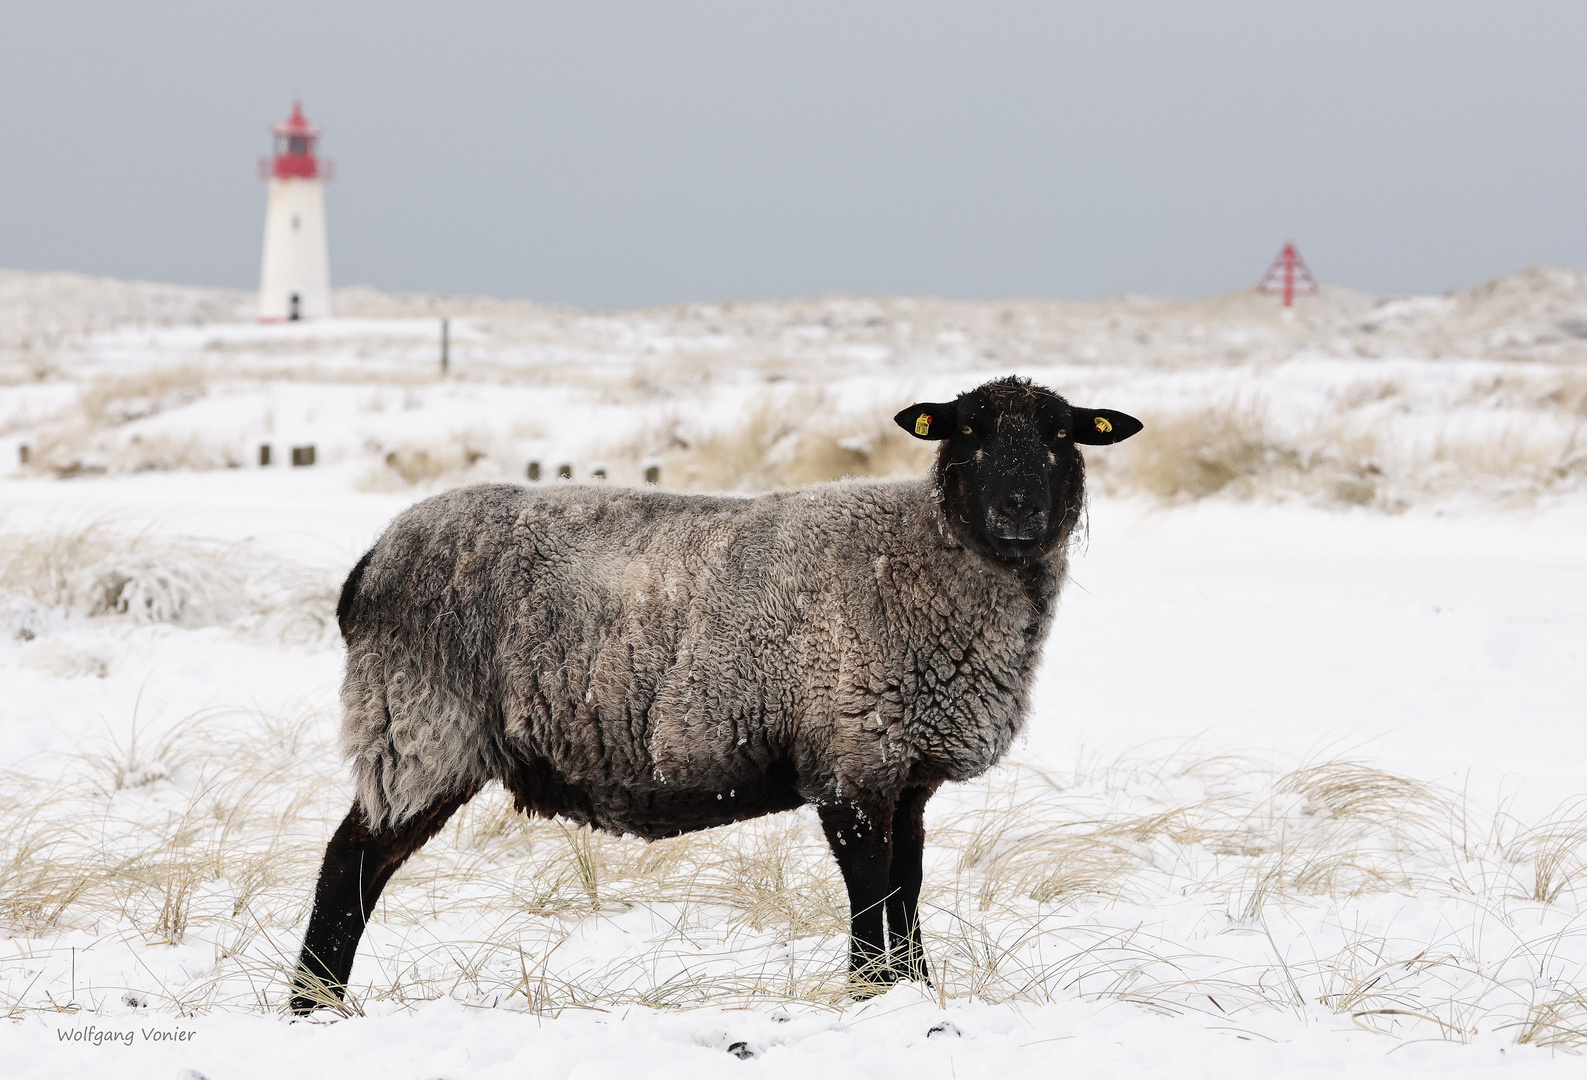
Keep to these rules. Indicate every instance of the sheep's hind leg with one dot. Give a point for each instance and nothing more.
(358, 863)
(861, 848)
(904, 876)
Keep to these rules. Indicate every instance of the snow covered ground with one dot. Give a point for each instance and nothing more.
(1300, 788)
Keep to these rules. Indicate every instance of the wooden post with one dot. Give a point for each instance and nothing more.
(533, 472)
(303, 455)
(23, 454)
(565, 471)
(653, 473)
(446, 345)
(264, 455)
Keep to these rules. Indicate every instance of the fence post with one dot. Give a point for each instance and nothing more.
(446, 345)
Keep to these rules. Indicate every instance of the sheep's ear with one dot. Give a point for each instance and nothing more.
(1098, 427)
(929, 420)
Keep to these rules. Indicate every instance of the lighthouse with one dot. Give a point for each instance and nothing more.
(295, 280)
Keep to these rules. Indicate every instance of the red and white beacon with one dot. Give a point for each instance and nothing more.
(295, 280)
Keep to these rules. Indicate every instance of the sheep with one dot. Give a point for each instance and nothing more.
(651, 664)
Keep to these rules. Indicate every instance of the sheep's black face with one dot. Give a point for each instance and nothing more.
(1010, 471)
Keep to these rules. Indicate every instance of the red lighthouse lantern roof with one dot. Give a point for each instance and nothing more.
(297, 124)
(294, 150)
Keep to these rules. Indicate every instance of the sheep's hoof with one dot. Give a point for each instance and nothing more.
(865, 983)
(310, 992)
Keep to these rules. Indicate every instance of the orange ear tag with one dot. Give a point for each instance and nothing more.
(922, 423)
(1103, 427)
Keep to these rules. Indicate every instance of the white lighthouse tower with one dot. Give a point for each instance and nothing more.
(295, 280)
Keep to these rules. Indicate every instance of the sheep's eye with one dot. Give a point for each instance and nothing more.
(967, 430)
(1062, 432)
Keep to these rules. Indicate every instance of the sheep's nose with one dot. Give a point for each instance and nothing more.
(1024, 514)
(1017, 518)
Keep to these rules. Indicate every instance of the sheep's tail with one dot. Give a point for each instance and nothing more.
(344, 603)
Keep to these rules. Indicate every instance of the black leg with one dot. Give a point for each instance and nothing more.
(903, 877)
(860, 842)
(358, 863)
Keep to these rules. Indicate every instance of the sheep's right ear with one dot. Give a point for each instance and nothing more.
(929, 420)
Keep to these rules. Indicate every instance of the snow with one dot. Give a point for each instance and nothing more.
(891, 1036)
(1170, 879)
(1451, 647)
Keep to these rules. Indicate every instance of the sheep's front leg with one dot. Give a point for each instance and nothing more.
(860, 842)
(358, 863)
(904, 876)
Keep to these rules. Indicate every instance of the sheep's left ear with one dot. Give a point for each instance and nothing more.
(1098, 427)
(929, 420)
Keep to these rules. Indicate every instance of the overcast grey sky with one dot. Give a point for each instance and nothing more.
(615, 154)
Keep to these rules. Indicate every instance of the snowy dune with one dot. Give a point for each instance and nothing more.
(1298, 790)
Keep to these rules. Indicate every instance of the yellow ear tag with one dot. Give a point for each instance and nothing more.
(922, 423)
(1103, 427)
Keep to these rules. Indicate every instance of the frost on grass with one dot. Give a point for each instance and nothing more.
(100, 570)
(181, 872)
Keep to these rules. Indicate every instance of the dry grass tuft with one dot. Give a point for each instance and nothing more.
(415, 464)
(1338, 458)
(73, 449)
(1557, 851)
(1202, 453)
(112, 400)
(781, 441)
(1558, 1022)
(1343, 789)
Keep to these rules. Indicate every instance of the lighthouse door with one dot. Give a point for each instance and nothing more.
(296, 312)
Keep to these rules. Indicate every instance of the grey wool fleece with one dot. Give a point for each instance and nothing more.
(652, 658)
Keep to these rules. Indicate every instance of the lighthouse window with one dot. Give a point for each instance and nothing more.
(298, 144)
(294, 223)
